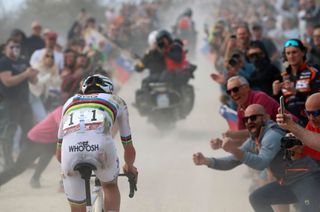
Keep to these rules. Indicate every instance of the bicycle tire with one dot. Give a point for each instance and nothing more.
(97, 200)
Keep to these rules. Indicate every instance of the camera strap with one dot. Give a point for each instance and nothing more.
(258, 140)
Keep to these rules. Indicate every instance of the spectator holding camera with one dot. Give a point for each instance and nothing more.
(311, 142)
(297, 181)
(298, 80)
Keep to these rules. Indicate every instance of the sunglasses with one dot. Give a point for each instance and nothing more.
(255, 55)
(234, 90)
(252, 118)
(15, 47)
(314, 113)
(291, 43)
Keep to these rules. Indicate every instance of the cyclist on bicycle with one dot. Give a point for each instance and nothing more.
(85, 136)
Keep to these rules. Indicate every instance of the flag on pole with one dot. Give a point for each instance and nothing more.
(124, 67)
(230, 116)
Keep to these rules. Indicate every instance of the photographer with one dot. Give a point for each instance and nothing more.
(309, 135)
(298, 181)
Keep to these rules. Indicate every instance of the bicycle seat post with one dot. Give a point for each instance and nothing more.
(85, 170)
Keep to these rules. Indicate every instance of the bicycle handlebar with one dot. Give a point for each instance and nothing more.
(132, 182)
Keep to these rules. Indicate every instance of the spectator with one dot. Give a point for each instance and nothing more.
(75, 31)
(314, 54)
(312, 106)
(265, 72)
(50, 44)
(243, 36)
(21, 38)
(15, 73)
(257, 34)
(263, 150)
(312, 15)
(46, 91)
(35, 41)
(42, 143)
(77, 45)
(298, 80)
(239, 90)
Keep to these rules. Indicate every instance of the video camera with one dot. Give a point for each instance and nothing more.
(288, 142)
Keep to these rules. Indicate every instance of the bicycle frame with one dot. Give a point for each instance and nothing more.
(97, 198)
(85, 170)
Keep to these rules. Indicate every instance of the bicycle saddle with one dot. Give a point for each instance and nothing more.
(85, 169)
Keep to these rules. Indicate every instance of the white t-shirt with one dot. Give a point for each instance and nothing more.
(38, 55)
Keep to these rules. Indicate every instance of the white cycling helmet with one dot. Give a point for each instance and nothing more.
(97, 81)
(152, 38)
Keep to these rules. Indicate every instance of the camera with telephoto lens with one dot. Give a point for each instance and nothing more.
(288, 142)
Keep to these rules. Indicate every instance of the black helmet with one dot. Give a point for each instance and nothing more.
(161, 35)
(188, 12)
(98, 83)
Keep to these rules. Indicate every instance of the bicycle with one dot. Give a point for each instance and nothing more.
(95, 204)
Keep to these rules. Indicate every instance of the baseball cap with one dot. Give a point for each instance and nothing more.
(51, 35)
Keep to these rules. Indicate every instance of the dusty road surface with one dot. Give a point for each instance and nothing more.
(168, 180)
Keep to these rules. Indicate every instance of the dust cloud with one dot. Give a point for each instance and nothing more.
(168, 179)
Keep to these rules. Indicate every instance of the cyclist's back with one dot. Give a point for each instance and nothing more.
(86, 136)
(86, 129)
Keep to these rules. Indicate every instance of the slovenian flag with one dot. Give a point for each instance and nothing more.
(230, 116)
(124, 67)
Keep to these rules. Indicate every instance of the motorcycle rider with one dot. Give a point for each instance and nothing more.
(152, 60)
(178, 69)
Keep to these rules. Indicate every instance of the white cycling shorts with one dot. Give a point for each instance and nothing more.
(100, 152)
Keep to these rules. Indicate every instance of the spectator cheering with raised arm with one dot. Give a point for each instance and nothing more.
(239, 90)
(298, 181)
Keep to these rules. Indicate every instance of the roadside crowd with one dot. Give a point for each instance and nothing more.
(282, 148)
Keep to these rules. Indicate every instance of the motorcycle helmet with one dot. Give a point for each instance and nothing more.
(152, 38)
(97, 83)
(188, 12)
(161, 35)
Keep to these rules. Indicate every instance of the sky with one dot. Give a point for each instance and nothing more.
(10, 5)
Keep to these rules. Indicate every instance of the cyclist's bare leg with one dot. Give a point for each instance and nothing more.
(78, 208)
(111, 196)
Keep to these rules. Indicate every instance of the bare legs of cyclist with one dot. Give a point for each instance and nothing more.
(111, 197)
(78, 208)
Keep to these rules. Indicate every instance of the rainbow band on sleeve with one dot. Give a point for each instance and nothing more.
(98, 103)
(126, 140)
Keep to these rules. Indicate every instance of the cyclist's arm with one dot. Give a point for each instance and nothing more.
(125, 135)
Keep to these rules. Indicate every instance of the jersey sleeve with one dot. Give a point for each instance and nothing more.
(60, 131)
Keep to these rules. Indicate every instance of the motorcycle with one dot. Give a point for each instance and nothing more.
(164, 102)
